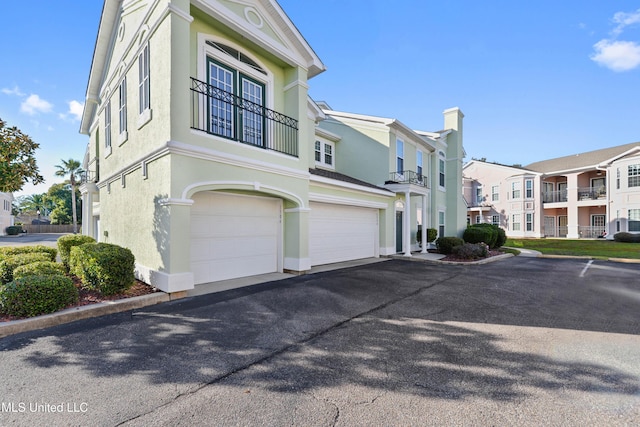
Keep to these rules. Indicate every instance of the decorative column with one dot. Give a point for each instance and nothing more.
(407, 224)
(424, 224)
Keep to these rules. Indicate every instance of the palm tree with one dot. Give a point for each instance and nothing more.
(72, 168)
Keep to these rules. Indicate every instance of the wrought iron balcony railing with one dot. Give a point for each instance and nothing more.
(408, 177)
(227, 115)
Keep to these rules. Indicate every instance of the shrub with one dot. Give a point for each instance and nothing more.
(432, 233)
(40, 268)
(65, 243)
(13, 230)
(625, 237)
(445, 245)
(18, 250)
(502, 237)
(471, 250)
(10, 263)
(104, 267)
(477, 233)
(35, 295)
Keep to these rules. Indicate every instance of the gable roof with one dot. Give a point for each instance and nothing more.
(297, 51)
(581, 160)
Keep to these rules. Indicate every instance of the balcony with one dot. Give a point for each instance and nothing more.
(592, 193)
(92, 173)
(408, 177)
(224, 114)
(554, 196)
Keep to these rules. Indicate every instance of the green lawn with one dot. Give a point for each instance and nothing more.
(595, 248)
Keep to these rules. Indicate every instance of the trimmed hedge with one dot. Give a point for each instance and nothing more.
(471, 250)
(104, 267)
(18, 250)
(13, 230)
(65, 243)
(490, 234)
(625, 237)
(35, 295)
(445, 245)
(10, 263)
(40, 268)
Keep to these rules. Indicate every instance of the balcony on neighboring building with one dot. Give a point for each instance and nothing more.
(554, 196)
(592, 193)
(224, 114)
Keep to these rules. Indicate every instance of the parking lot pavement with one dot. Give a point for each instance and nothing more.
(26, 239)
(520, 342)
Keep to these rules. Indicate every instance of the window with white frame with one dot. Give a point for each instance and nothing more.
(122, 107)
(478, 219)
(441, 217)
(618, 179)
(528, 221)
(528, 188)
(515, 222)
(144, 82)
(515, 190)
(419, 164)
(634, 176)
(495, 219)
(107, 126)
(479, 198)
(399, 156)
(495, 193)
(441, 169)
(324, 153)
(634, 219)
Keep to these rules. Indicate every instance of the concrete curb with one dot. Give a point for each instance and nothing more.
(84, 312)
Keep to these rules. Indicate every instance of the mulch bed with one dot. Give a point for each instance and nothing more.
(455, 258)
(88, 297)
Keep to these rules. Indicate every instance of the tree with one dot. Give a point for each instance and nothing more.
(17, 161)
(72, 168)
(59, 201)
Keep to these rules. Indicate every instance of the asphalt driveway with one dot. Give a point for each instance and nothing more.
(523, 341)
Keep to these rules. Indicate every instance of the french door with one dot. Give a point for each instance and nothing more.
(236, 107)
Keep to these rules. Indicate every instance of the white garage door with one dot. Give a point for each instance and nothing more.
(233, 236)
(342, 233)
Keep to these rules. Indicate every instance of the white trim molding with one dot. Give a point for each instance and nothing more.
(337, 200)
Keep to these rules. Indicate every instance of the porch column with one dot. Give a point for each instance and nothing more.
(572, 207)
(424, 224)
(407, 224)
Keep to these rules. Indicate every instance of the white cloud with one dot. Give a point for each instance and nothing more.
(624, 20)
(14, 91)
(34, 104)
(75, 109)
(617, 55)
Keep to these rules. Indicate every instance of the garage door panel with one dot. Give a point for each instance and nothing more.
(233, 236)
(342, 233)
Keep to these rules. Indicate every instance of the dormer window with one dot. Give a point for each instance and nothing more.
(324, 153)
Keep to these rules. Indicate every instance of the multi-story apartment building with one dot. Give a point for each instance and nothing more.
(587, 195)
(209, 160)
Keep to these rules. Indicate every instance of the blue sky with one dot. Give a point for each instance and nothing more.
(535, 80)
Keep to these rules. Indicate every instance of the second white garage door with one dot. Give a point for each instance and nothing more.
(234, 236)
(342, 233)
